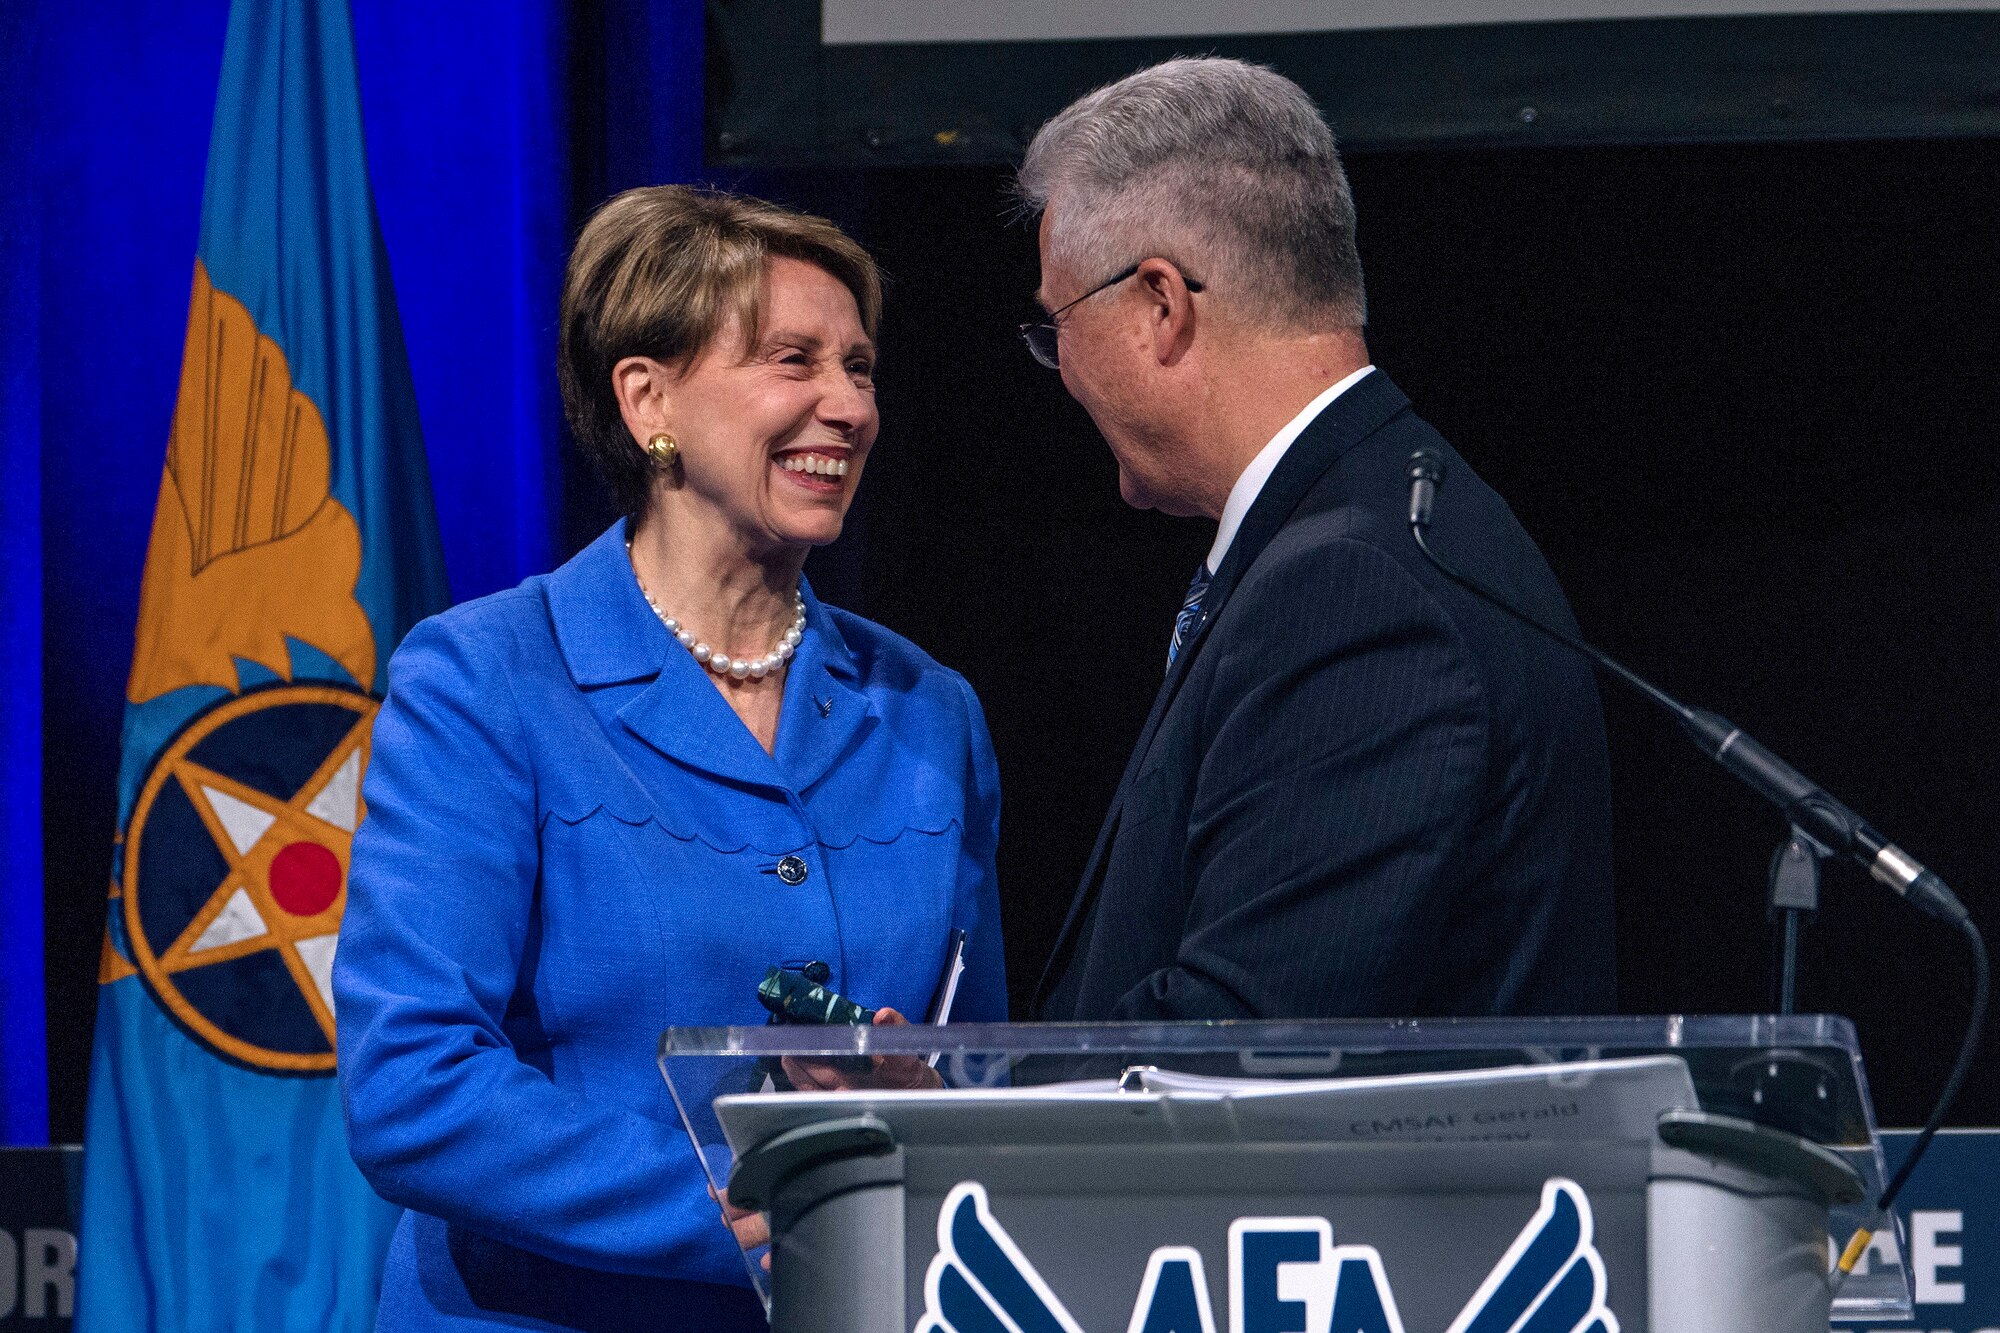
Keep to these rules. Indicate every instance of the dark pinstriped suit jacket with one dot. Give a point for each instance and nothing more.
(1362, 791)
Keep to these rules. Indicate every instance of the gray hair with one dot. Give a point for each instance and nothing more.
(1219, 165)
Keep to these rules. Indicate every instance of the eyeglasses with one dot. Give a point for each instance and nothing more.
(1040, 336)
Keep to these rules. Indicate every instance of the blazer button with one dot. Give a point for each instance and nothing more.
(793, 870)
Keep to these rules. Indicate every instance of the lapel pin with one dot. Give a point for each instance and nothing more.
(825, 705)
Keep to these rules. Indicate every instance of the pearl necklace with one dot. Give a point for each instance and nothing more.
(737, 668)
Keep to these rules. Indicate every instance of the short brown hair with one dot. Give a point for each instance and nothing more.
(657, 272)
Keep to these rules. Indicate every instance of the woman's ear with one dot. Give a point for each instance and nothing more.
(640, 384)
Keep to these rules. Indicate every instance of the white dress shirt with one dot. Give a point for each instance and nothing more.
(1251, 483)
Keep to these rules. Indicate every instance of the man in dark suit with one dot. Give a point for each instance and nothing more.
(1362, 791)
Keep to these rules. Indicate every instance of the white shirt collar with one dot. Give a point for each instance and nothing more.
(1251, 483)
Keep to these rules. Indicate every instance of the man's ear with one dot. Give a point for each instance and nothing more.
(642, 387)
(1169, 308)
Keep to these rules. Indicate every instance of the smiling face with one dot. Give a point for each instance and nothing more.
(773, 436)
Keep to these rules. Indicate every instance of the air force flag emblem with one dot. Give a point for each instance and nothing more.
(1285, 1273)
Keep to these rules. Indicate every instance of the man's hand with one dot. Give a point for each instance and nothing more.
(906, 1073)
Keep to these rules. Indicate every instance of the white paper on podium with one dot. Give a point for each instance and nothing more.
(1602, 1101)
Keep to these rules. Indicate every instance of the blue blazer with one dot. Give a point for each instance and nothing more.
(571, 844)
(1363, 791)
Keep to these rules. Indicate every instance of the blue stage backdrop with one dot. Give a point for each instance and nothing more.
(481, 170)
(23, 1072)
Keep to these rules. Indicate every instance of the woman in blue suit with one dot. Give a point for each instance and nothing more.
(607, 801)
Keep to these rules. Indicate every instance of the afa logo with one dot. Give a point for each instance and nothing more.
(235, 871)
(1285, 1273)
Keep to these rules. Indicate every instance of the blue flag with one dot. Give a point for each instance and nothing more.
(293, 545)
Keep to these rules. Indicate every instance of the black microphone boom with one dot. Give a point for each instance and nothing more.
(1818, 814)
(1807, 806)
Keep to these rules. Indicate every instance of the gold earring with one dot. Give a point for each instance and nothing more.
(663, 450)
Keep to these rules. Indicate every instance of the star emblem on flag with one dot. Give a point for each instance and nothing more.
(236, 871)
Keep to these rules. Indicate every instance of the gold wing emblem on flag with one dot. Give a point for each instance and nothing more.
(249, 546)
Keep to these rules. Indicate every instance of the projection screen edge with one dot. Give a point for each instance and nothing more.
(899, 22)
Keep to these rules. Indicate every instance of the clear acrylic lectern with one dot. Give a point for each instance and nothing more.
(1677, 1175)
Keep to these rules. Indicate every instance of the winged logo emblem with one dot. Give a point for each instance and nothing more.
(1550, 1280)
(980, 1282)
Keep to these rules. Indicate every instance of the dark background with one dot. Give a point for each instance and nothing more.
(1742, 394)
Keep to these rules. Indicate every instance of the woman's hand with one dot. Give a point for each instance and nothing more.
(906, 1073)
(835, 1074)
(751, 1227)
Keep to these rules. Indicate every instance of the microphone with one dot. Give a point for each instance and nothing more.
(1811, 811)
(1426, 475)
(1805, 804)
(1803, 801)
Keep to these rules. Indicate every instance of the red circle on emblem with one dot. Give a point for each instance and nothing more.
(305, 878)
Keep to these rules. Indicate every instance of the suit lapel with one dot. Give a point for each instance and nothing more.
(1368, 405)
(609, 635)
(1356, 414)
(825, 713)
(683, 717)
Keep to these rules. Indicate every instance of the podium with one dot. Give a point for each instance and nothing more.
(1571, 1175)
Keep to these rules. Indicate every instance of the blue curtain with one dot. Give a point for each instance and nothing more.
(23, 1076)
(490, 129)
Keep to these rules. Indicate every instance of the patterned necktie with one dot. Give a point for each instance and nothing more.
(1189, 622)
